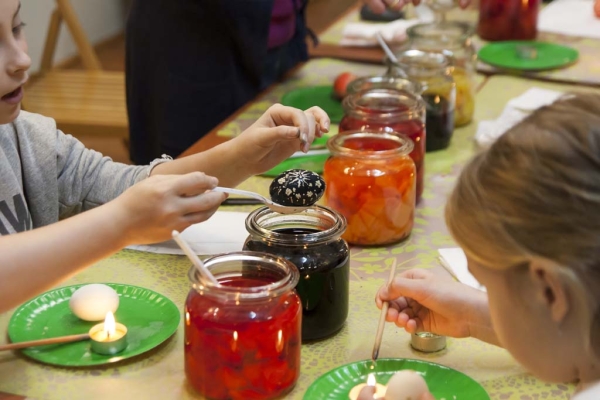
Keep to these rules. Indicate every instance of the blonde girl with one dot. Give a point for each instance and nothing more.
(527, 214)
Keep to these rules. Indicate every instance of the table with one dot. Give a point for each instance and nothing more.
(159, 373)
(585, 71)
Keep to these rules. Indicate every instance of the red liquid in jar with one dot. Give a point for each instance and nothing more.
(245, 351)
(414, 129)
(508, 19)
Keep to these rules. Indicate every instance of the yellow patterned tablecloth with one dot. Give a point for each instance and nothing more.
(585, 71)
(159, 374)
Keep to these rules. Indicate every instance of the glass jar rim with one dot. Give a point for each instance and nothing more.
(288, 281)
(335, 144)
(384, 82)
(413, 103)
(426, 59)
(260, 220)
(444, 32)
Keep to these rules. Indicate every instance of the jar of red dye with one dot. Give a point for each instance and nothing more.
(243, 338)
(389, 111)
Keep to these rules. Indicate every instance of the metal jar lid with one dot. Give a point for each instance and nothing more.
(427, 342)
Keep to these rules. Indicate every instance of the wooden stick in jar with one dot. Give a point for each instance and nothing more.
(45, 342)
(384, 310)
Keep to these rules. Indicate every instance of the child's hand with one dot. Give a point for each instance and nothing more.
(149, 211)
(423, 301)
(379, 6)
(279, 133)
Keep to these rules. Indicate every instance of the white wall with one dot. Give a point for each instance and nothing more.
(101, 19)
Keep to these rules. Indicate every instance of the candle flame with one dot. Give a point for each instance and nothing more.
(110, 327)
(371, 381)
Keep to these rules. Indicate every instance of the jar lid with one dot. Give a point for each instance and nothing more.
(323, 224)
(383, 82)
(386, 105)
(427, 342)
(370, 145)
(419, 63)
(279, 275)
(445, 33)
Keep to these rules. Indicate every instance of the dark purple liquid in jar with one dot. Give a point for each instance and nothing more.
(324, 283)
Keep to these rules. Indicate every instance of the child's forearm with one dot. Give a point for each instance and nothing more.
(224, 162)
(34, 261)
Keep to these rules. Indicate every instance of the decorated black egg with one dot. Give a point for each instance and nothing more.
(297, 187)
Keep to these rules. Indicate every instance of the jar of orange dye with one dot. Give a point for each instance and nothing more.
(371, 180)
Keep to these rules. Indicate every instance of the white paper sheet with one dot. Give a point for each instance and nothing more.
(515, 110)
(222, 233)
(455, 261)
(570, 17)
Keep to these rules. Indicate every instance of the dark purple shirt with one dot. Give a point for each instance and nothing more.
(283, 22)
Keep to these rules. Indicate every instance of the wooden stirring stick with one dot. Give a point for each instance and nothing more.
(45, 342)
(384, 310)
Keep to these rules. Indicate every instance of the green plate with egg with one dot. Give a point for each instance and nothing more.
(443, 382)
(150, 318)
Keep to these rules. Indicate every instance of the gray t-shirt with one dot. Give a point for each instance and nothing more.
(47, 175)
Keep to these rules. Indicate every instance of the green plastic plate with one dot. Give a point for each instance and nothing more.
(443, 382)
(311, 96)
(150, 318)
(527, 55)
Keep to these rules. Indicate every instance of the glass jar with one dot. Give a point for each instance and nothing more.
(433, 72)
(508, 19)
(389, 111)
(242, 339)
(312, 241)
(453, 39)
(371, 180)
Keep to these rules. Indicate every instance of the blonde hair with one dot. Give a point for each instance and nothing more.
(535, 193)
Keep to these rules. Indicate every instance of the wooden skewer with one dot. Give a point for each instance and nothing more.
(44, 342)
(384, 310)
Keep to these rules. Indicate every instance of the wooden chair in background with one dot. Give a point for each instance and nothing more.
(83, 102)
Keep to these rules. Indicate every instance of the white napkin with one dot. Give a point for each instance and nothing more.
(455, 262)
(514, 111)
(222, 233)
(364, 33)
(570, 17)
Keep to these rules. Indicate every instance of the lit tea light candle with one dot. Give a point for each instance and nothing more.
(109, 337)
(371, 381)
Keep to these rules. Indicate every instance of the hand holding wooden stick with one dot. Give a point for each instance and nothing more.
(384, 310)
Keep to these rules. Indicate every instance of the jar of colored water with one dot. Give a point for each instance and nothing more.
(312, 241)
(454, 40)
(433, 71)
(371, 180)
(389, 111)
(508, 19)
(242, 339)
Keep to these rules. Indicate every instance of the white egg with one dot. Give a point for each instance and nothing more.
(406, 385)
(92, 302)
